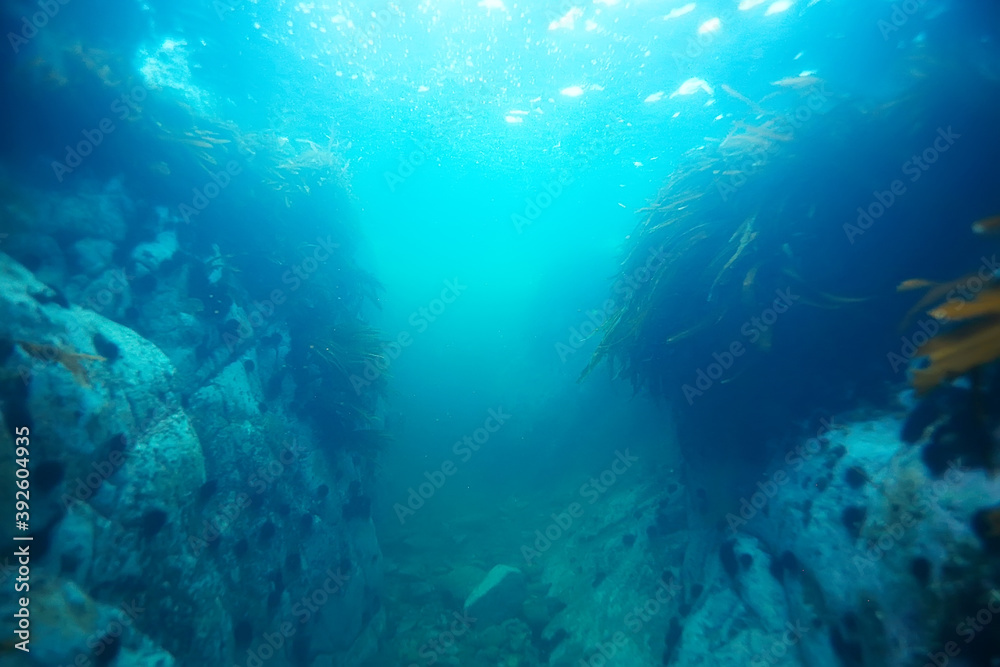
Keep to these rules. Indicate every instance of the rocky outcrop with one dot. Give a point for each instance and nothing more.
(201, 466)
(848, 551)
(172, 529)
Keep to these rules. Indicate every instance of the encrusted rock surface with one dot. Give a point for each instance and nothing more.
(848, 551)
(168, 529)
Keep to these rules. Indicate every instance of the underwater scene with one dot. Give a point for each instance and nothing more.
(500, 333)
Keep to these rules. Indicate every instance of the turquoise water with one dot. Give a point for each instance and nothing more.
(502, 333)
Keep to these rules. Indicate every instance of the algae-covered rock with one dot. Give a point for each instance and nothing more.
(209, 512)
(114, 462)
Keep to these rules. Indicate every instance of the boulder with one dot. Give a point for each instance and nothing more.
(93, 255)
(460, 581)
(149, 256)
(498, 596)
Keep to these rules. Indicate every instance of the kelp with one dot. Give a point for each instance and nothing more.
(757, 208)
(985, 303)
(350, 348)
(956, 353)
(936, 292)
(971, 335)
(723, 232)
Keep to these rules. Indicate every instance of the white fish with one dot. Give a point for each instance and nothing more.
(778, 7)
(655, 97)
(711, 25)
(692, 86)
(492, 4)
(568, 20)
(572, 91)
(681, 11)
